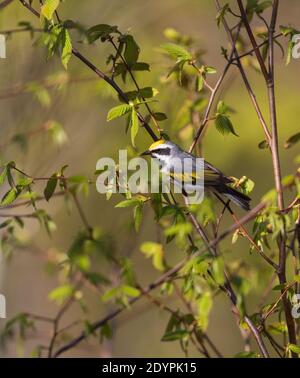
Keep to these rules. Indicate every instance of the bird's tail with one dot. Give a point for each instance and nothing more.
(235, 196)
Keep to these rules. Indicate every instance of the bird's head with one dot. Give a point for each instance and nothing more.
(161, 150)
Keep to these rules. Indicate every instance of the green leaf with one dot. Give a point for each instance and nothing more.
(175, 335)
(100, 31)
(224, 125)
(246, 184)
(288, 180)
(178, 69)
(134, 125)
(132, 50)
(130, 291)
(172, 34)
(66, 52)
(180, 230)
(118, 111)
(50, 187)
(137, 216)
(222, 108)
(24, 181)
(61, 293)
(97, 278)
(221, 13)
(287, 30)
(263, 145)
(40, 92)
(204, 307)
(247, 355)
(218, 270)
(261, 7)
(57, 132)
(199, 83)
(110, 294)
(147, 92)
(129, 202)
(3, 176)
(176, 51)
(154, 250)
(277, 328)
(209, 70)
(49, 8)
(292, 140)
(294, 348)
(160, 116)
(10, 197)
(106, 332)
(235, 236)
(140, 66)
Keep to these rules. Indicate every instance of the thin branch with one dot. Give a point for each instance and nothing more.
(253, 41)
(5, 3)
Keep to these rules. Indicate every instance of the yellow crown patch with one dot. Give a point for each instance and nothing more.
(155, 144)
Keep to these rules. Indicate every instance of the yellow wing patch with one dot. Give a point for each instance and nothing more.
(155, 144)
(210, 177)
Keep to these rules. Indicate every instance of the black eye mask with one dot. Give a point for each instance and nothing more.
(162, 151)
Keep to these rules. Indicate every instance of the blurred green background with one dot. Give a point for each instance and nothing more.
(81, 107)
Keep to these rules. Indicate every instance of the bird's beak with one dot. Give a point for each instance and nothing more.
(145, 153)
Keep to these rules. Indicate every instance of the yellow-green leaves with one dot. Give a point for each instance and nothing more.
(66, 45)
(218, 270)
(204, 307)
(10, 196)
(177, 52)
(245, 184)
(133, 121)
(3, 175)
(61, 293)
(180, 54)
(118, 111)
(57, 132)
(222, 121)
(48, 9)
(247, 355)
(40, 92)
(134, 125)
(121, 294)
(58, 41)
(154, 250)
(142, 93)
(15, 188)
(139, 199)
(294, 348)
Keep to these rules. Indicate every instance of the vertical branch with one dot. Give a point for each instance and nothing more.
(272, 107)
(277, 175)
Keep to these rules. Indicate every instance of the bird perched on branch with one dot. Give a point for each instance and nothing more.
(170, 154)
